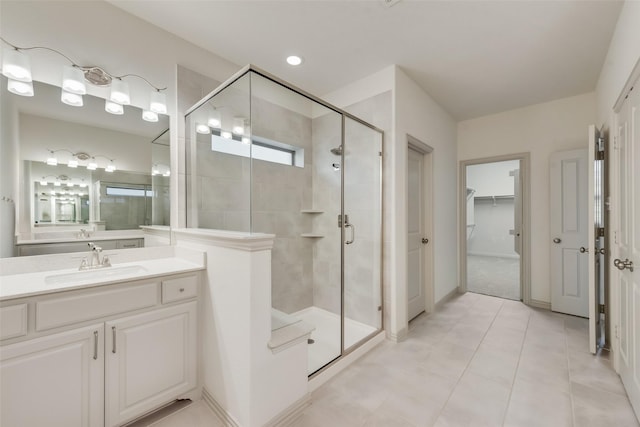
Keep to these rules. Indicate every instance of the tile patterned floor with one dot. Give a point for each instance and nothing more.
(479, 361)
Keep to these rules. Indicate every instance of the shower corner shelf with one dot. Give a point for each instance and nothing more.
(311, 211)
(312, 235)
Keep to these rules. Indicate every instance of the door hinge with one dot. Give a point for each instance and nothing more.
(379, 308)
(601, 232)
(380, 153)
(602, 309)
(600, 155)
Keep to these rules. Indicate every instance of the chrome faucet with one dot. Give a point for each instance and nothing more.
(94, 259)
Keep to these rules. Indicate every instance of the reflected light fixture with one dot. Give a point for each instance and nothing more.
(20, 88)
(72, 99)
(17, 68)
(43, 182)
(203, 129)
(226, 134)
(72, 163)
(149, 116)
(238, 125)
(92, 165)
(113, 108)
(214, 121)
(51, 160)
(110, 167)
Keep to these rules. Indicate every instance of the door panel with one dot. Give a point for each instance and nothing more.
(569, 222)
(415, 252)
(362, 239)
(628, 245)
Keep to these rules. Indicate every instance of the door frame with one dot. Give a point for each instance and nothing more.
(427, 217)
(525, 257)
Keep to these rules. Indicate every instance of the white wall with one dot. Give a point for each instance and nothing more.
(623, 55)
(413, 113)
(540, 130)
(492, 179)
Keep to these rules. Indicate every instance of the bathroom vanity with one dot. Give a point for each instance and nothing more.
(99, 347)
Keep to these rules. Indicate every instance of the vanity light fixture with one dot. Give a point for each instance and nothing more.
(226, 134)
(56, 184)
(72, 163)
(17, 68)
(51, 160)
(215, 121)
(43, 182)
(110, 167)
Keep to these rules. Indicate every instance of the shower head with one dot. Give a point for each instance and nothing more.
(337, 151)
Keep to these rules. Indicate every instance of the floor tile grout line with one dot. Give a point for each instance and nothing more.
(474, 353)
(515, 373)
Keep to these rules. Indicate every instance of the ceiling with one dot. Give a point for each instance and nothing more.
(473, 57)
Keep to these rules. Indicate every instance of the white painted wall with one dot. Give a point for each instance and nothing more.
(622, 56)
(413, 113)
(492, 179)
(540, 130)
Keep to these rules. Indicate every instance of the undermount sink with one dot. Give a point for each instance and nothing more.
(99, 273)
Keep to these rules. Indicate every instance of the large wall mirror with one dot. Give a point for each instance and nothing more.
(85, 169)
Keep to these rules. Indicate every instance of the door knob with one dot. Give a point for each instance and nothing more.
(583, 249)
(557, 240)
(425, 240)
(621, 265)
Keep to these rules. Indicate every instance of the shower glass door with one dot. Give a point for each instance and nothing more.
(362, 233)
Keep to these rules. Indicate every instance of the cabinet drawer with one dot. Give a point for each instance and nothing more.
(78, 308)
(179, 289)
(126, 244)
(13, 321)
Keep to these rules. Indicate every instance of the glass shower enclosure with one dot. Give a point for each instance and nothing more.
(265, 157)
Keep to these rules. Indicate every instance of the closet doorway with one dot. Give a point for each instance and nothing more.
(494, 226)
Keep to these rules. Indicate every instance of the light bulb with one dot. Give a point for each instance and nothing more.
(158, 103)
(113, 108)
(214, 121)
(294, 60)
(83, 185)
(52, 161)
(69, 184)
(238, 126)
(73, 163)
(72, 99)
(149, 116)
(226, 134)
(203, 129)
(246, 140)
(92, 165)
(73, 80)
(43, 182)
(167, 173)
(16, 66)
(120, 92)
(110, 168)
(20, 88)
(57, 183)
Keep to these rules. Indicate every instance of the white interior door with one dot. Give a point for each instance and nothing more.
(415, 226)
(627, 244)
(569, 239)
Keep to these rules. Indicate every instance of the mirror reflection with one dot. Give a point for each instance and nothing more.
(83, 168)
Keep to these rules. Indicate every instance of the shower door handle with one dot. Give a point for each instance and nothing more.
(353, 233)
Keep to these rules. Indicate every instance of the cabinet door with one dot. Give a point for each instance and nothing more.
(57, 380)
(150, 361)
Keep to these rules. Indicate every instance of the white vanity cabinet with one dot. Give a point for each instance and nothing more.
(150, 359)
(54, 381)
(102, 356)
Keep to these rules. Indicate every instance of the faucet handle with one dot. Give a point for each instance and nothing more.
(106, 262)
(91, 245)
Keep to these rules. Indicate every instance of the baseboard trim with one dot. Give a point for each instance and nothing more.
(398, 336)
(220, 412)
(446, 298)
(291, 414)
(540, 304)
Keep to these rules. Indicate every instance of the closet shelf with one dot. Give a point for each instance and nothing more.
(311, 211)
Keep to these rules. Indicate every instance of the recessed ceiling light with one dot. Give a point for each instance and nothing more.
(294, 60)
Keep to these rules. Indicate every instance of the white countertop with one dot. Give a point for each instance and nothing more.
(98, 236)
(31, 283)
